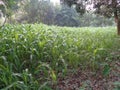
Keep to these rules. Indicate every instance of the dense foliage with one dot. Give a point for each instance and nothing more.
(93, 20)
(43, 11)
(2, 13)
(39, 11)
(103, 7)
(33, 56)
(107, 8)
(67, 17)
(11, 5)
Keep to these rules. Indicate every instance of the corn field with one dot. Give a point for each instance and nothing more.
(33, 55)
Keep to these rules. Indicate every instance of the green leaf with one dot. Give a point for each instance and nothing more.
(106, 70)
(54, 78)
(117, 83)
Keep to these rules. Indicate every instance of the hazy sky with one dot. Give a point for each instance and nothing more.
(55, 1)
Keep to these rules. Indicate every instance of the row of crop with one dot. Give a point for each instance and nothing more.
(32, 56)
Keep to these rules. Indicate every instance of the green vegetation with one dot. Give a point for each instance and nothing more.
(32, 56)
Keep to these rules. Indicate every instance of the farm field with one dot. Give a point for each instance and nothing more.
(41, 57)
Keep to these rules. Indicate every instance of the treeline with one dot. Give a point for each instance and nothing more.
(43, 11)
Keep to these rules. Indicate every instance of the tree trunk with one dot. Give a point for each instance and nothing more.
(118, 27)
(116, 15)
(117, 20)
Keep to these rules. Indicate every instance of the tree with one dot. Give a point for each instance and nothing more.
(40, 11)
(67, 17)
(107, 8)
(11, 4)
(94, 20)
(10, 7)
(2, 13)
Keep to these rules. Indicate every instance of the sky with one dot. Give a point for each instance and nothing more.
(55, 1)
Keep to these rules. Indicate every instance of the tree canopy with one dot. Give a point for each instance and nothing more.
(11, 4)
(103, 7)
(107, 8)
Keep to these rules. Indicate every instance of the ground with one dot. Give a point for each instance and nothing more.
(88, 80)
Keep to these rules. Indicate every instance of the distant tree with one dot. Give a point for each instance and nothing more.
(90, 19)
(11, 6)
(107, 8)
(40, 11)
(67, 17)
(2, 13)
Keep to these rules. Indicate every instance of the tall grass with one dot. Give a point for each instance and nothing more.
(31, 56)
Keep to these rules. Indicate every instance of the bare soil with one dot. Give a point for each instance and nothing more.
(88, 80)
